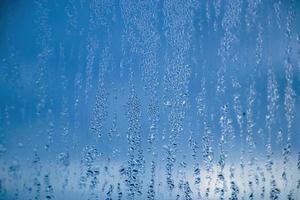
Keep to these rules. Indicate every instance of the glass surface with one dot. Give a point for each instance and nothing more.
(149, 99)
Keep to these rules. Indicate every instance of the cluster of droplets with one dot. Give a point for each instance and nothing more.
(135, 168)
(64, 162)
(89, 172)
(49, 191)
(99, 111)
(151, 189)
(37, 166)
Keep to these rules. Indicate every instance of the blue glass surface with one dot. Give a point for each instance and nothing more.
(149, 99)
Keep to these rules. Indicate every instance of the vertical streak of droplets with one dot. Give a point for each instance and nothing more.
(289, 92)
(96, 10)
(37, 167)
(196, 168)
(135, 168)
(250, 136)
(92, 46)
(252, 16)
(217, 6)
(100, 110)
(64, 163)
(101, 12)
(43, 39)
(207, 138)
(136, 36)
(178, 29)
(147, 27)
(258, 62)
(72, 29)
(252, 9)
(64, 114)
(145, 23)
(230, 25)
(277, 7)
(89, 172)
(251, 13)
(239, 114)
(202, 104)
(272, 107)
